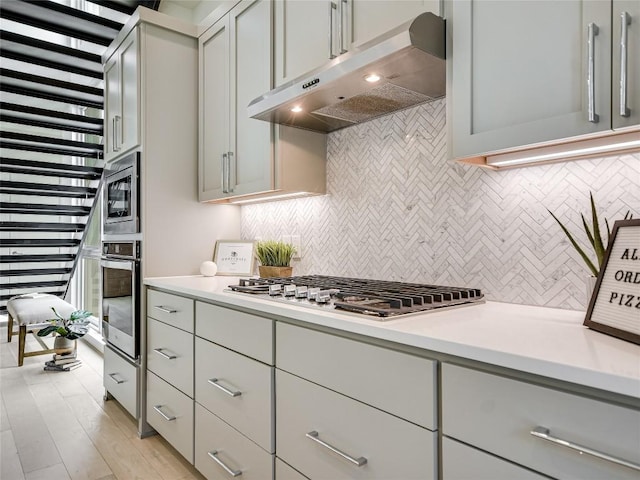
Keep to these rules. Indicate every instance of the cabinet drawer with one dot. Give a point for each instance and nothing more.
(285, 472)
(392, 447)
(395, 382)
(215, 440)
(121, 380)
(237, 389)
(242, 332)
(171, 309)
(170, 412)
(461, 462)
(497, 414)
(170, 355)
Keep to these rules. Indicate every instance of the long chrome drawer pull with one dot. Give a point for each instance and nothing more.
(545, 434)
(113, 377)
(165, 355)
(214, 382)
(625, 20)
(168, 418)
(592, 31)
(230, 471)
(356, 461)
(164, 309)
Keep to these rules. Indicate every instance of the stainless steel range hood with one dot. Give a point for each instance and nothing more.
(410, 61)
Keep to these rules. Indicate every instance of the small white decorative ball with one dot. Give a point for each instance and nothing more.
(208, 269)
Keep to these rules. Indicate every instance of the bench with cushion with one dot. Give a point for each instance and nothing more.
(31, 312)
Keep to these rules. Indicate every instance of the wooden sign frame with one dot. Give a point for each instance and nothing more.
(614, 307)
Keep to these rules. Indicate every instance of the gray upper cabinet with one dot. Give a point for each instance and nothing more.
(121, 124)
(304, 37)
(310, 33)
(363, 20)
(529, 72)
(235, 67)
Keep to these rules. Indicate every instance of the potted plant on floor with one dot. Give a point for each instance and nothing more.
(275, 258)
(67, 329)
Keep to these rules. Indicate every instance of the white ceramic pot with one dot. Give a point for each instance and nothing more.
(63, 344)
(590, 285)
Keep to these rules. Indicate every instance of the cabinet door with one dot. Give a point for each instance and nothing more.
(626, 62)
(250, 77)
(520, 72)
(214, 109)
(303, 39)
(128, 137)
(370, 19)
(112, 105)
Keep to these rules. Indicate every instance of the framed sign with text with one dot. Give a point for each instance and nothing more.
(234, 257)
(614, 308)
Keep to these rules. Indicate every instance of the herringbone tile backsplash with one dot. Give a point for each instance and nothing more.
(398, 209)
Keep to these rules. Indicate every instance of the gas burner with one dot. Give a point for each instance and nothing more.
(370, 297)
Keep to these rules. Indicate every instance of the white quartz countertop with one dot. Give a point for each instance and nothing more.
(538, 340)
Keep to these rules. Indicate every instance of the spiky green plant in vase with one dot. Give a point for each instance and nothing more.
(275, 258)
(593, 234)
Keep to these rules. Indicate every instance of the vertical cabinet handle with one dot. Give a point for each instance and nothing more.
(625, 21)
(224, 173)
(168, 418)
(229, 169)
(230, 471)
(545, 434)
(592, 31)
(341, 29)
(332, 7)
(231, 393)
(360, 461)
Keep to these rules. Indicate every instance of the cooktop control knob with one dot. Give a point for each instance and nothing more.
(312, 292)
(289, 290)
(301, 291)
(275, 290)
(323, 296)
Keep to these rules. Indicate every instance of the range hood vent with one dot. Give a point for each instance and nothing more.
(410, 61)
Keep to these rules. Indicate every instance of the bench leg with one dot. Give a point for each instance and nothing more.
(9, 327)
(22, 336)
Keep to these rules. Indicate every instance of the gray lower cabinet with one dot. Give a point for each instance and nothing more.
(313, 424)
(170, 412)
(223, 452)
(462, 462)
(120, 379)
(507, 418)
(285, 472)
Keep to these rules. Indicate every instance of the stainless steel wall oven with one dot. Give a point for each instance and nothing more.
(120, 287)
(121, 202)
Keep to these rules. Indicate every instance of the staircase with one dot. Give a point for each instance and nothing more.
(51, 127)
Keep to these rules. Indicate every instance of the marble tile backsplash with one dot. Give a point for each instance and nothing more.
(398, 209)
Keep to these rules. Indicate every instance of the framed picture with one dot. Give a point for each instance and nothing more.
(234, 257)
(614, 308)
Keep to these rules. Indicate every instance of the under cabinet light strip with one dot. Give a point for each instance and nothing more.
(282, 196)
(624, 142)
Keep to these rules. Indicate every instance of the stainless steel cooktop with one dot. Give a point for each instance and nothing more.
(379, 298)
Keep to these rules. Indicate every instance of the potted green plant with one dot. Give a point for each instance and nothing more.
(275, 258)
(596, 241)
(67, 329)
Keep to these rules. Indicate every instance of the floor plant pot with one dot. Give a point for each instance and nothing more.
(268, 272)
(63, 345)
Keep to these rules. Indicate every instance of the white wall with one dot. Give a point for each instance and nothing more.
(398, 209)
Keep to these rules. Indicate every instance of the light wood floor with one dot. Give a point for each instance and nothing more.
(56, 425)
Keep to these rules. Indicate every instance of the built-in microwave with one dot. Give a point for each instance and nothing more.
(120, 201)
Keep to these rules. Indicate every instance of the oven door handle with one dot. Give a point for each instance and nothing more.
(118, 264)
